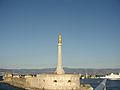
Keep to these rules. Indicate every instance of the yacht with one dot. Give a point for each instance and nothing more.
(112, 76)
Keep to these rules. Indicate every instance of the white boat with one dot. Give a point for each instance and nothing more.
(112, 76)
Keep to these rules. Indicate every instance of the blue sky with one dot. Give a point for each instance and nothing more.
(29, 30)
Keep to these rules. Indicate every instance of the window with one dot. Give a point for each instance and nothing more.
(55, 80)
(69, 80)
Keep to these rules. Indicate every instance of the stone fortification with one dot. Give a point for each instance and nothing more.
(46, 81)
(54, 81)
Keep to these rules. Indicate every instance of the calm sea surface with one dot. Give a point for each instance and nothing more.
(111, 84)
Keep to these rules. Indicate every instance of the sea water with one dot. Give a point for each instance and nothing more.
(110, 84)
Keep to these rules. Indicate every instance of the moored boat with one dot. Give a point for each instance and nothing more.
(112, 76)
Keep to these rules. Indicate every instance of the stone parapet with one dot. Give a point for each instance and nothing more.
(54, 81)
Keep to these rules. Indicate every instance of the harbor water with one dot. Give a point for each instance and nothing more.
(110, 84)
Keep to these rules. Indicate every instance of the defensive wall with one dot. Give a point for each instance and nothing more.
(47, 81)
(54, 81)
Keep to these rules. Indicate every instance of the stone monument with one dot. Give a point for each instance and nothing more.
(59, 69)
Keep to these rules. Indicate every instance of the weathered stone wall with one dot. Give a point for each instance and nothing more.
(20, 81)
(46, 81)
(54, 81)
(7, 76)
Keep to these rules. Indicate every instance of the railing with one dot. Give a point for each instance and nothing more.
(102, 85)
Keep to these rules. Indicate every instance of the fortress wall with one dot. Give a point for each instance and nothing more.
(47, 81)
(19, 81)
(54, 81)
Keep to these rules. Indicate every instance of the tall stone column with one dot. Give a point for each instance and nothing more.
(59, 69)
